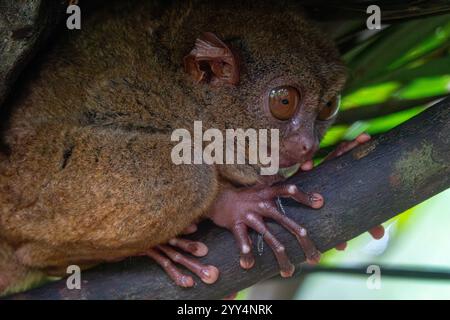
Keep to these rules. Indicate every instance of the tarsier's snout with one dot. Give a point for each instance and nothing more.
(297, 148)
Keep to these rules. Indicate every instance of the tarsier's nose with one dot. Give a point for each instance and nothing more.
(306, 145)
(301, 147)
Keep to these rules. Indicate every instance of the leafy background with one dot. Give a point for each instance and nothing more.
(394, 74)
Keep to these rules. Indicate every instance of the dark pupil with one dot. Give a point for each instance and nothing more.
(285, 101)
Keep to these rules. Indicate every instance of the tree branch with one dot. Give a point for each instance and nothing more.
(362, 189)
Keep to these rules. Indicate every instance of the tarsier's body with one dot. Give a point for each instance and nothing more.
(88, 177)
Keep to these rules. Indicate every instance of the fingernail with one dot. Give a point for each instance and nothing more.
(288, 273)
(206, 273)
(246, 263)
(314, 197)
(192, 247)
(187, 281)
(292, 189)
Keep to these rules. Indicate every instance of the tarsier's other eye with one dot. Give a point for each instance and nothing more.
(283, 102)
(330, 109)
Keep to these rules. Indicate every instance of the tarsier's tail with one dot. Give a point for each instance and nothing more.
(14, 277)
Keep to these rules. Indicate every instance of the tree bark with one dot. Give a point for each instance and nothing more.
(24, 27)
(363, 188)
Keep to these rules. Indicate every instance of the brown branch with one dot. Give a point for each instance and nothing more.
(362, 189)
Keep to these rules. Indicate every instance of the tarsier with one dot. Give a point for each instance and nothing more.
(86, 174)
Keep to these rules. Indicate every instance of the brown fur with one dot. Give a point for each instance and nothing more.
(89, 176)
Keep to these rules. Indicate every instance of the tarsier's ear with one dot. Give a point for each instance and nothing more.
(212, 61)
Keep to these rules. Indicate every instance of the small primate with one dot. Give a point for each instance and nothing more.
(88, 175)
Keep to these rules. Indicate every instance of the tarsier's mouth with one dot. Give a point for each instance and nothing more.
(289, 164)
(288, 171)
(287, 159)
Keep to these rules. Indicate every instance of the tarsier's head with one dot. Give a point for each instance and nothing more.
(266, 67)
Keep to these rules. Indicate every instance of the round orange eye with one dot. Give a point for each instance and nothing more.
(330, 109)
(283, 102)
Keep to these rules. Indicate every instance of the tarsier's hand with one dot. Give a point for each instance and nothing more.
(167, 255)
(238, 209)
(378, 231)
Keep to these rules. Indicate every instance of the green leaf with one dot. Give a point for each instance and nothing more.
(425, 69)
(369, 95)
(383, 124)
(426, 87)
(333, 135)
(440, 37)
(393, 42)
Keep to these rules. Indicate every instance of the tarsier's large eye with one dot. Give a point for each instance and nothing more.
(330, 109)
(283, 102)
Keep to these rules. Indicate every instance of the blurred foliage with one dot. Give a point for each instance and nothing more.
(402, 62)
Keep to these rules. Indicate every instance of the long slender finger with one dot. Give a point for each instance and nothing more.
(363, 138)
(286, 266)
(313, 200)
(307, 165)
(196, 248)
(190, 229)
(172, 271)
(240, 233)
(207, 273)
(346, 146)
(310, 250)
(341, 246)
(342, 148)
